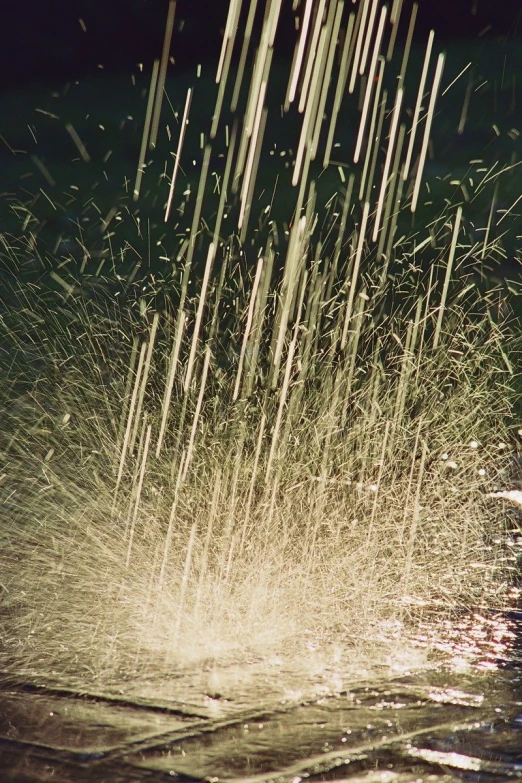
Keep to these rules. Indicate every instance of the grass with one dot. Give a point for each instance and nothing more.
(287, 437)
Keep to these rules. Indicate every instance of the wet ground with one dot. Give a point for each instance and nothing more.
(257, 722)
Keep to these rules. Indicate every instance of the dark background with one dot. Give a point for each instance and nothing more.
(45, 39)
(76, 64)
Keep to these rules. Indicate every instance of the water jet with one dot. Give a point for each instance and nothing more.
(168, 506)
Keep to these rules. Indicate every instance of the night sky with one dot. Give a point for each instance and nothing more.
(55, 39)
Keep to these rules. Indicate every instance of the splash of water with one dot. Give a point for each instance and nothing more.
(293, 433)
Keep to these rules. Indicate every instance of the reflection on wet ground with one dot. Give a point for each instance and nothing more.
(256, 722)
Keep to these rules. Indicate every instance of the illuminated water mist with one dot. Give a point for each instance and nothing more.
(288, 436)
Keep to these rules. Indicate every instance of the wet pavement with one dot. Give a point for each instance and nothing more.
(254, 722)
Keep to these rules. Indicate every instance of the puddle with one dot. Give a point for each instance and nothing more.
(260, 723)
(74, 724)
